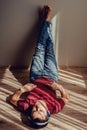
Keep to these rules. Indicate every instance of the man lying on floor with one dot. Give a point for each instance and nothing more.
(41, 100)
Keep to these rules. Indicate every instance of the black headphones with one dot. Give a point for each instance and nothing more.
(37, 123)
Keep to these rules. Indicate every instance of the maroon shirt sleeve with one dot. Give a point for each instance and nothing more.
(23, 104)
(57, 106)
(60, 105)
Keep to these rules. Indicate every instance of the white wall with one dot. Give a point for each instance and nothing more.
(19, 30)
(73, 33)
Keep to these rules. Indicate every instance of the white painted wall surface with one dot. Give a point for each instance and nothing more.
(18, 20)
(73, 33)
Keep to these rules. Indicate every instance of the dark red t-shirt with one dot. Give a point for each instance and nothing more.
(43, 92)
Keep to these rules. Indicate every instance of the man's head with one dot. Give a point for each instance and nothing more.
(39, 114)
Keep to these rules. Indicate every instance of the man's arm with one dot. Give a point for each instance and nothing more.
(16, 96)
(64, 93)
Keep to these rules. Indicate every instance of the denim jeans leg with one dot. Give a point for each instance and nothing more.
(50, 66)
(37, 65)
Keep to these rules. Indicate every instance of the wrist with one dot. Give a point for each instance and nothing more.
(21, 90)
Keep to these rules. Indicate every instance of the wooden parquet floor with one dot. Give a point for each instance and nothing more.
(72, 117)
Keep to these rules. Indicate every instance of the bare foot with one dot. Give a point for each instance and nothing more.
(47, 10)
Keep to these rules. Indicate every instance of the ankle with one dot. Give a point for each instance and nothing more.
(47, 10)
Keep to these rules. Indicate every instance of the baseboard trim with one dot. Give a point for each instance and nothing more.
(27, 67)
(71, 67)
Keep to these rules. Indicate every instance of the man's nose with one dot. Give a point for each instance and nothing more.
(37, 108)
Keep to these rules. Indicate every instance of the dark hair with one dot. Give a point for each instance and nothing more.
(37, 123)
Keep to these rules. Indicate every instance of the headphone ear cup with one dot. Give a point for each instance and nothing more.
(48, 113)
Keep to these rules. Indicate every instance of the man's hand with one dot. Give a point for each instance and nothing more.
(27, 87)
(54, 86)
(64, 93)
(16, 96)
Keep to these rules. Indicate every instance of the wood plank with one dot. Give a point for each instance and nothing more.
(73, 116)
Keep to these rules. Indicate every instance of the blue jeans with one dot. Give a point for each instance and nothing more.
(43, 61)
